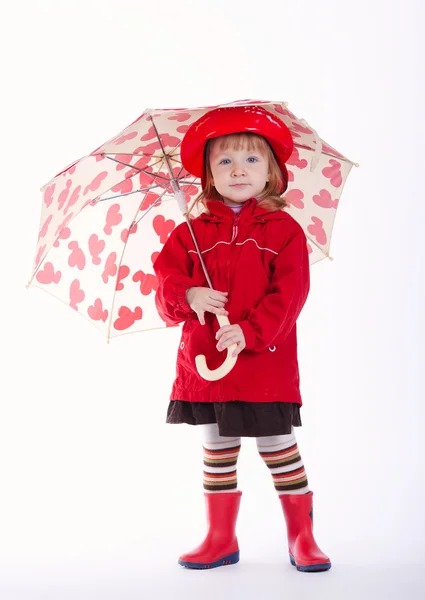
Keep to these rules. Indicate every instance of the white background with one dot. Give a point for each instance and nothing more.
(98, 495)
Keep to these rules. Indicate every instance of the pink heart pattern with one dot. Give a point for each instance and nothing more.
(73, 199)
(48, 274)
(77, 257)
(317, 231)
(63, 196)
(96, 311)
(64, 234)
(76, 294)
(96, 246)
(127, 317)
(147, 281)
(114, 209)
(324, 199)
(45, 227)
(295, 198)
(110, 267)
(163, 227)
(126, 232)
(333, 173)
(113, 218)
(123, 272)
(48, 195)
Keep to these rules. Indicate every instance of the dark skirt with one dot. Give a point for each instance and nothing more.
(240, 419)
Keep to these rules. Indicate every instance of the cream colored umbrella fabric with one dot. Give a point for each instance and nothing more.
(105, 217)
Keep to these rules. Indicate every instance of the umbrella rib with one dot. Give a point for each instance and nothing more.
(316, 244)
(56, 237)
(129, 154)
(134, 222)
(122, 256)
(151, 207)
(148, 189)
(137, 168)
(162, 147)
(343, 158)
(176, 189)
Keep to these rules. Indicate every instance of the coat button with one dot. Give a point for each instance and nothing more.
(272, 348)
(182, 345)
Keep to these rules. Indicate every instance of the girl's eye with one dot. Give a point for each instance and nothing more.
(226, 161)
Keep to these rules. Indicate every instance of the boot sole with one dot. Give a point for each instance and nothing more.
(310, 568)
(227, 560)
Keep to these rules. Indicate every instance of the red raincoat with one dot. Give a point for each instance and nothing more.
(261, 258)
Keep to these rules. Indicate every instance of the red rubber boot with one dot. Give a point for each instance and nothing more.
(304, 553)
(220, 547)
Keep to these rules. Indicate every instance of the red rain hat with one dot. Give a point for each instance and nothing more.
(235, 119)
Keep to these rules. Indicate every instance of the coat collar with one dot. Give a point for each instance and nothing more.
(250, 209)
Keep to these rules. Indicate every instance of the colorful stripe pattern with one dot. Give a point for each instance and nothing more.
(285, 464)
(220, 466)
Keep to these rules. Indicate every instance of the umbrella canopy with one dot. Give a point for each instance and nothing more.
(105, 217)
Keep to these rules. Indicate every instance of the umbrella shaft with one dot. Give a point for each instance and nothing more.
(199, 253)
(177, 191)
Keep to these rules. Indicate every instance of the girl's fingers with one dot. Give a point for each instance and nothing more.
(241, 345)
(217, 292)
(216, 303)
(219, 296)
(230, 333)
(209, 303)
(211, 309)
(226, 341)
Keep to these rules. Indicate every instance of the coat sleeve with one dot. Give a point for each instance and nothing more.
(275, 315)
(173, 269)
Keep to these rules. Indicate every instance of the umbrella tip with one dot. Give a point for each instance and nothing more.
(330, 257)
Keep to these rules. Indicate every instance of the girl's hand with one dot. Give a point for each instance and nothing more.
(201, 299)
(228, 335)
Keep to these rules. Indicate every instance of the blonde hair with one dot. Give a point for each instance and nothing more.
(270, 198)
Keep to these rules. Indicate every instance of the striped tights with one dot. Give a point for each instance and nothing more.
(279, 452)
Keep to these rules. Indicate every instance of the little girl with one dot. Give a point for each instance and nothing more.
(257, 258)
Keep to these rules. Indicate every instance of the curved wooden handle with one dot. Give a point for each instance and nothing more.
(226, 367)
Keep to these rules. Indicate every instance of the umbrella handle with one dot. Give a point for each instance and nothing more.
(226, 367)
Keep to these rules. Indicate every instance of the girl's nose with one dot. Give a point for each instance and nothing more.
(237, 171)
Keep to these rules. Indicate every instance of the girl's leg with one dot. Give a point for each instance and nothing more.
(220, 459)
(281, 455)
(222, 500)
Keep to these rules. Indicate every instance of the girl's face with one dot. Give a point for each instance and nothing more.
(238, 174)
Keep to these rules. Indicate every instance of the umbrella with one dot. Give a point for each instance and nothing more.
(106, 216)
